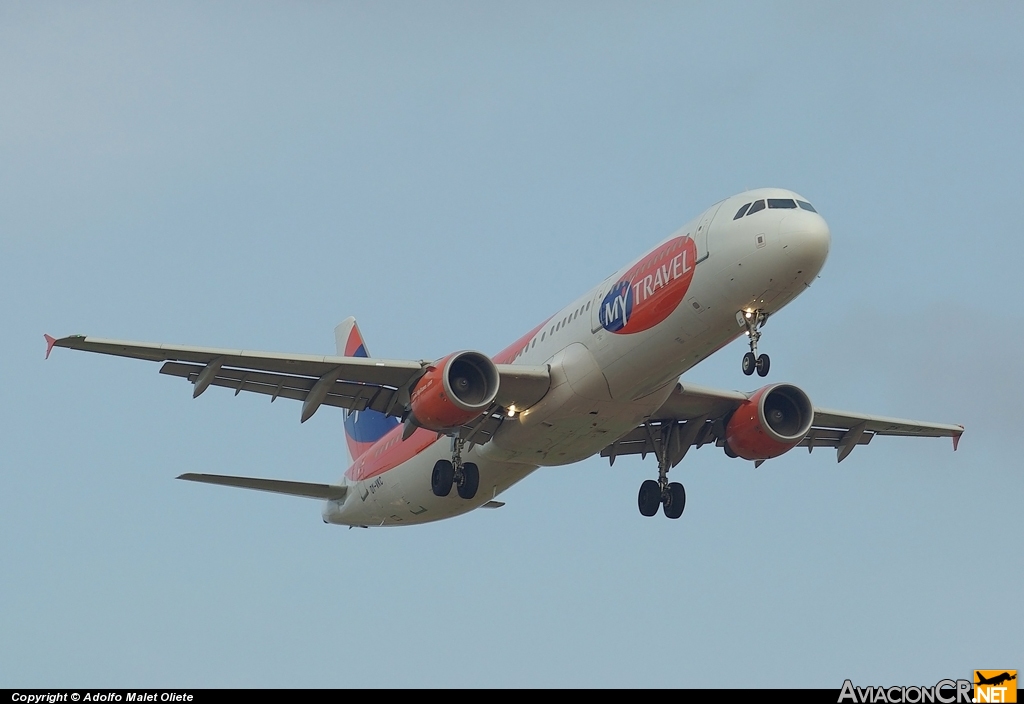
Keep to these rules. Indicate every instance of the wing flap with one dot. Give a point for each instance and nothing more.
(330, 492)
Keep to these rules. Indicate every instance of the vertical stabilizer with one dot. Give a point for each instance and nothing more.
(349, 340)
(362, 428)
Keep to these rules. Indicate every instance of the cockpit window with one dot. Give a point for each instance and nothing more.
(755, 206)
(806, 206)
(781, 203)
(741, 212)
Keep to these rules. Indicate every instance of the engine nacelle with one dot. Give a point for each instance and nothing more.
(772, 421)
(454, 390)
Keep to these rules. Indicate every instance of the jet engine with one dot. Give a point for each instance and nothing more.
(454, 390)
(772, 421)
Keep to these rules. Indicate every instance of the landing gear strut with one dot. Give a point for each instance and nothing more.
(672, 496)
(754, 320)
(464, 475)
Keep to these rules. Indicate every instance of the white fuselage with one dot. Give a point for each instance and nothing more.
(605, 383)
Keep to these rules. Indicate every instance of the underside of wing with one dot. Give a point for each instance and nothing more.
(696, 415)
(691, 416)
(882, 425)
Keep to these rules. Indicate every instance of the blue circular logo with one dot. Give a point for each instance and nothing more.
(617, 307)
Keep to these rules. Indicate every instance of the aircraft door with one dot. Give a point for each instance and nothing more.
(700, 236)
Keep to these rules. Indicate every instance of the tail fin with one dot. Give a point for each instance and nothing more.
(362, 428)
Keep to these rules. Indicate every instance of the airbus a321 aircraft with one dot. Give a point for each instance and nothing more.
(602, 375)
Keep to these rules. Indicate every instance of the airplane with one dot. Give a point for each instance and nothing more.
(996, 680)
(600, 376)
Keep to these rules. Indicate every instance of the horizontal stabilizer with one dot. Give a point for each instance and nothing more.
(331, 492)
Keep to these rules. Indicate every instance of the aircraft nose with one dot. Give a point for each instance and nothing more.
(806, 238)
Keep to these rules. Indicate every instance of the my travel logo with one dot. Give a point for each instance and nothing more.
(652, 288)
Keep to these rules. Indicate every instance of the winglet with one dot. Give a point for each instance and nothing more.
(49, 344)
(956, 438)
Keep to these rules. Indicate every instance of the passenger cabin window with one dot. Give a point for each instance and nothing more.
(756, 206)
(783, 203)
(741, 212)
(806, 206)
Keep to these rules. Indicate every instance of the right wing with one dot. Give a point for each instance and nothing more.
(353, 383)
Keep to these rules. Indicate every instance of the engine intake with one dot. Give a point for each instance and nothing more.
(771, 422)
(454, 390)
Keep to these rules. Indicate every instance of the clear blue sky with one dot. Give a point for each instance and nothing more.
(247, 175)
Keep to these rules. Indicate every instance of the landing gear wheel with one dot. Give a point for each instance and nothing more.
(442, 477)
(470, 480)
(649, 498)
(750, 363)
(763, 364)
(674, 500)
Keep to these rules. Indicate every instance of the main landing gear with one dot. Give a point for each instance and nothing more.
(672, 496)
(464, 475)
(754, 320)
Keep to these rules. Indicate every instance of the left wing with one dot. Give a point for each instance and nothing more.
(353, 383)
(696, 415)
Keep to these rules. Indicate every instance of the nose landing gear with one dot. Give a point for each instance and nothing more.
(754, 320)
